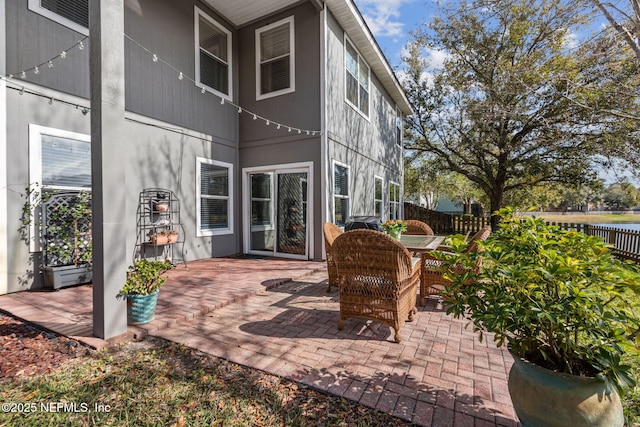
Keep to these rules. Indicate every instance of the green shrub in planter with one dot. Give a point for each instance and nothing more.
(559, 299)
(145, 277)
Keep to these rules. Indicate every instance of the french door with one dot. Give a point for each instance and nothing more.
(277, 218)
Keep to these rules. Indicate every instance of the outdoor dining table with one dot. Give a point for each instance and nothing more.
(417, 243)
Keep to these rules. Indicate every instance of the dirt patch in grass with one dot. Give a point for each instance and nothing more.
(50, 380)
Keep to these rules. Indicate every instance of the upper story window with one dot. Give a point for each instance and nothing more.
(70, 13)
(213, 55)
(275, 73)
(398, 127)
(357, 75)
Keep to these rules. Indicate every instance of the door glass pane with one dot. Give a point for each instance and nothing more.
(292, 213)
(262, 231)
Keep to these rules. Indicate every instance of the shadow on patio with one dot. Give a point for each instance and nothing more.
(275, 315)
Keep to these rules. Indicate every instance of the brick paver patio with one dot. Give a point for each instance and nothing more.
(275, 315)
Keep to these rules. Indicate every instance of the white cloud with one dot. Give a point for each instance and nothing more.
(435, 58)
(382, 16)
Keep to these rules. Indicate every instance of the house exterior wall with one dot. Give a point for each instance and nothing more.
(169, 122)
(366, 145)
(262, 145)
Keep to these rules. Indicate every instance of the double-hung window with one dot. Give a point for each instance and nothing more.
(394, 200)
(58, 161)
(357, 77)
(398, 127)
(377, 197)
(275, 73)
(73, 14)
(340, 194)
(213, 55)
(214, 197)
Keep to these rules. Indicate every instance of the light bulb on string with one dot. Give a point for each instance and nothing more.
(155, 58)
(203, 89)
(299, 131)
(278, 126)
(50, 101)
(10, 76)
(307, 132)
(255, 117)
(63, 54)
(180, 76)
(289, 130)
(81, 45)
(23, 75)
(50, 64)
(239, 110)
(21, 90)
(36, 70)
(268, 123)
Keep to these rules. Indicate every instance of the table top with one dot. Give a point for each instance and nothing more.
(420, 242)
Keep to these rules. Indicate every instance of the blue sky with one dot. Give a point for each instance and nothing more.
(392, 20)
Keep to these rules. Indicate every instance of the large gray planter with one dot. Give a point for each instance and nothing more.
(543, 398)
(68, 275)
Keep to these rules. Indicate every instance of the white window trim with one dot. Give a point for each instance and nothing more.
(272, 189)
(391, 202)
(34, 6)
(399, 126)
(36, 133)
(292, 59)
(351, 104)
(220, 231)
(335, 163)
(196, 18)
(378, 178)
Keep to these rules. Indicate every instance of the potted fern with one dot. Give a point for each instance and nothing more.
(141, 289)
(566, 308)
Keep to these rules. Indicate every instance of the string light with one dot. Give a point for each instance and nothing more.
(155, 58)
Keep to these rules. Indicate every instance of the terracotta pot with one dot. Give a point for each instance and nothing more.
(545, 398)
(159, 239)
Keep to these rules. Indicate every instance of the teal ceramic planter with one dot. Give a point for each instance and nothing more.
(141, 308)
(543, 398)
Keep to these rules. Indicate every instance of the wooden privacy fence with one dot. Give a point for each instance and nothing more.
(625, 243)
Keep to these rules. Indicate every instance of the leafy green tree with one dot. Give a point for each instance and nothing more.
(621, 195)
(514, 105)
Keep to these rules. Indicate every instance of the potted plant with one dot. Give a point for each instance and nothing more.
(394, 227)
(141, 289)
(566, 308)
(163, 237)
(63, 228)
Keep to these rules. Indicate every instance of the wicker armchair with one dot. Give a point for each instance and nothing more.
(431, 276)
(378, 278)
(418, 227)
(331, 231)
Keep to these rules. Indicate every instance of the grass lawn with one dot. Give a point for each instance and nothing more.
(579, 218)
(159, 383)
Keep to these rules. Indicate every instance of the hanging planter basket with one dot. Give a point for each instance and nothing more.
(141, 308)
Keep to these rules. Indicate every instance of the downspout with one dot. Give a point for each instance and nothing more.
(4, 252)
(324, 139)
